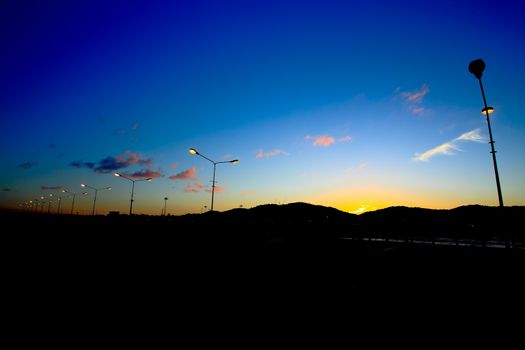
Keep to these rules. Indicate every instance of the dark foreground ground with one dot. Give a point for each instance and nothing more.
(161, 260)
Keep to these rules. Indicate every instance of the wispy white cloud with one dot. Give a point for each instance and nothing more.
(275, 152)
(473, 136)
(326, 140)
(448, 148)
(414, 99)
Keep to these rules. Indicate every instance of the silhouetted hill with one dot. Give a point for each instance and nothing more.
(469, 222)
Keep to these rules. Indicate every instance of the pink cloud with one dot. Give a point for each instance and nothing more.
(326, 140)
(188, 174)
(275, 152)
(416, 96)
(414, 99)
(193, 187)
(173, 166)
(218, 189)
(323, 141)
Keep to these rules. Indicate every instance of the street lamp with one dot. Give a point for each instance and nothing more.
(132, 188)
(59, 202)
(477, 67)
(235, 161)
(73, 195)
(165, 201)
(49, 203)
(96, 191)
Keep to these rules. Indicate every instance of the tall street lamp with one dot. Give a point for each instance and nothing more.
(477, 67)
(234, 161)
(96, 191)
(73, 195)
(132, 187)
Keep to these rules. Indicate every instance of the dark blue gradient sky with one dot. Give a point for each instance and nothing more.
(353, 104)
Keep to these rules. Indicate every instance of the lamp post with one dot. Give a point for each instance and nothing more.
(132, 188)
(73, 195)
(49, 203)
(96, 191)
(477, 67)
(59, 201)
(165, 201)
(234, 161)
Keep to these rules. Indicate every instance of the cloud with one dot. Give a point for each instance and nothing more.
(417, 110)
(44, 187)
(52, 146)
(193, 187)
(27, 165)
(122, 161)
(416, 96)
(135, 126)
(110, 164)
(82, 164)
(144, 173)
(218, 188)
(188, 174)
(173, 166)
(414, 99)
(323, 141)
(275, 152)
(473, 136)
(448, 148)
(326, 140)
(6, 189)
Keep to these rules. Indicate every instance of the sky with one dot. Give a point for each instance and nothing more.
(357, 105)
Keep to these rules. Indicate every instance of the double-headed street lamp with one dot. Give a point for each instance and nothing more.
(477, 67)
(235, 161)
(132, 187)
(73, 195)
(96, 191)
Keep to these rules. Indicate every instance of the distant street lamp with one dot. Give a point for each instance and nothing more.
(477, 67)
(49, 203)
(132, 188)
(165, 201)
(235, 161)
(59, 201)
(73, 195)
(96, 191)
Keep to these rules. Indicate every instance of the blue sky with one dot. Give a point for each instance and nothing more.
(328, 102)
